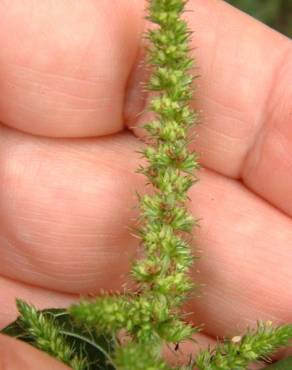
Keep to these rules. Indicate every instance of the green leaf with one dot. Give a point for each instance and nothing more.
(285, 364)
(97, 349)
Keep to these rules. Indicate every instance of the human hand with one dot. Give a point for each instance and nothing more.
(69, 77)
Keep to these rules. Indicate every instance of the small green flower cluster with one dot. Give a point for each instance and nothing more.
(240, 352)
(47, 336)
(145, 317)
(135, 356)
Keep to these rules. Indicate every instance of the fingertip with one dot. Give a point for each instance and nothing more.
(16, 355)
(64, 65)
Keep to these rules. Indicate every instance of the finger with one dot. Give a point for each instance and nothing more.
(66, 208)
(268, 168)
(64, 64)
(245, 261)
(244, 94)
(69, 206)
(41, 298)
(15, 355)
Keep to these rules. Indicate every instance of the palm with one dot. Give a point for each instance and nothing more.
(67, 203)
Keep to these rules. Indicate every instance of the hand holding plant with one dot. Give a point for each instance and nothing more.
(236, 268)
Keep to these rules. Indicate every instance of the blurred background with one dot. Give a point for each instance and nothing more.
(275, 13)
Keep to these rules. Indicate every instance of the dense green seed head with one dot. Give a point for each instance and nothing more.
(47, 336)
(137, 357)
(240, 352)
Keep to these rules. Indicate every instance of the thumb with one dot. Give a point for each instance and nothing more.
(16, 355)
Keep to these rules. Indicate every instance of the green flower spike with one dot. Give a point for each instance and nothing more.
(152, 316)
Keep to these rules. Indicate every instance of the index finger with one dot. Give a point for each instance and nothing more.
(64, 64)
